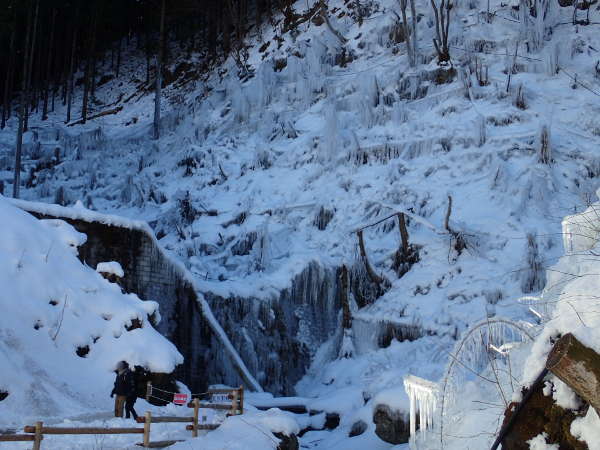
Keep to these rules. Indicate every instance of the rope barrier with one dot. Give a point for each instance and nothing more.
(173, 393)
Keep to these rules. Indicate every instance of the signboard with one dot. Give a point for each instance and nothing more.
(220, 398)
(180, 399)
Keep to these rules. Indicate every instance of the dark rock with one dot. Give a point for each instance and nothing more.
(287, 442)
(332, 420)
(391, 425)
(83, 351)
(358, 428)
(3, 395)
(541, 415)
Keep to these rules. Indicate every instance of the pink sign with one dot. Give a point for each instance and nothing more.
(180, 399)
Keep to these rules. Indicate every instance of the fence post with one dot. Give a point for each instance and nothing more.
(241, 400)
(195, 422)
(147, 423)
(148, 390)
(38, 436)
(234, 402)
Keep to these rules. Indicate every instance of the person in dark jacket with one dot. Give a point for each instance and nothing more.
(125, 391)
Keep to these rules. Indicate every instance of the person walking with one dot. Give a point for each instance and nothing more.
(125, 391)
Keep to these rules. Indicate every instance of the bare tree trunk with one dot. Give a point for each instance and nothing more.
(30, 67)
(159, 62)
(147, 35)
(407, 34)
(88, 66)
(71, 76)
(8, 81)
(442, 28)
(415, 49)
(118, 58)
(48, 67)
(346, 313)
(22, 107)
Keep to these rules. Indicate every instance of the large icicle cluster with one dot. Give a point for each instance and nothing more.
(423, 397)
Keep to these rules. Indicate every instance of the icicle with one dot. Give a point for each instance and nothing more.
(423, 396)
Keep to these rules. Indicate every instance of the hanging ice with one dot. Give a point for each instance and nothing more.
(423, 398)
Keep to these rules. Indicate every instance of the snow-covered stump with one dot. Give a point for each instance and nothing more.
(423, 395)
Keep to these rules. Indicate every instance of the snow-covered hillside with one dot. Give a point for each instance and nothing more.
(63, 327)
(258, 174)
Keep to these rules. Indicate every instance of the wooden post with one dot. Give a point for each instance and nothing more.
(147, 423)
(577, 366)
(241, 401)
(195, 423)
(234, 403)
(37, 442)
(148, 390)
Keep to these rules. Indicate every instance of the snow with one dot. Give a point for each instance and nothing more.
(111, 268)
(365, 141)
(539, 443)
(52, 305)
(250, 431)
(587, 429)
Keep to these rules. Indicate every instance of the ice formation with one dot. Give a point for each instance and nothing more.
(423, 395)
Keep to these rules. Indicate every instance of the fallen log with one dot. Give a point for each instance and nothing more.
(159, 444)
(578, 367)
(205, 426)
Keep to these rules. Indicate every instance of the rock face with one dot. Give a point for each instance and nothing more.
(391, 425)
(287, 442)
(276, 338)
(540, 414)
(358, 428)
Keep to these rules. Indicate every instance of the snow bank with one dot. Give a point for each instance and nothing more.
(250, 431)
(63, 327)
(112, 268)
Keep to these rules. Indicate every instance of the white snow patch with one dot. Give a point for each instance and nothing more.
(111, 268)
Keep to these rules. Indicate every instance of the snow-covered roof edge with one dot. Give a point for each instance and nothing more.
(81, 213)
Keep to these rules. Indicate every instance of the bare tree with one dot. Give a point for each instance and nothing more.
(8, 79)
(442, 28)
(410, 34)
(23, 100)
(159, 64)
(71, 75)
(48, 67)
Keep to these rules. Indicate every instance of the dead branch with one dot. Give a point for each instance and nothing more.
(448, 212)
(325, 17)
(363, 253)
(442, 27)
(459, 240)
(346, 313)
(403, 232)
